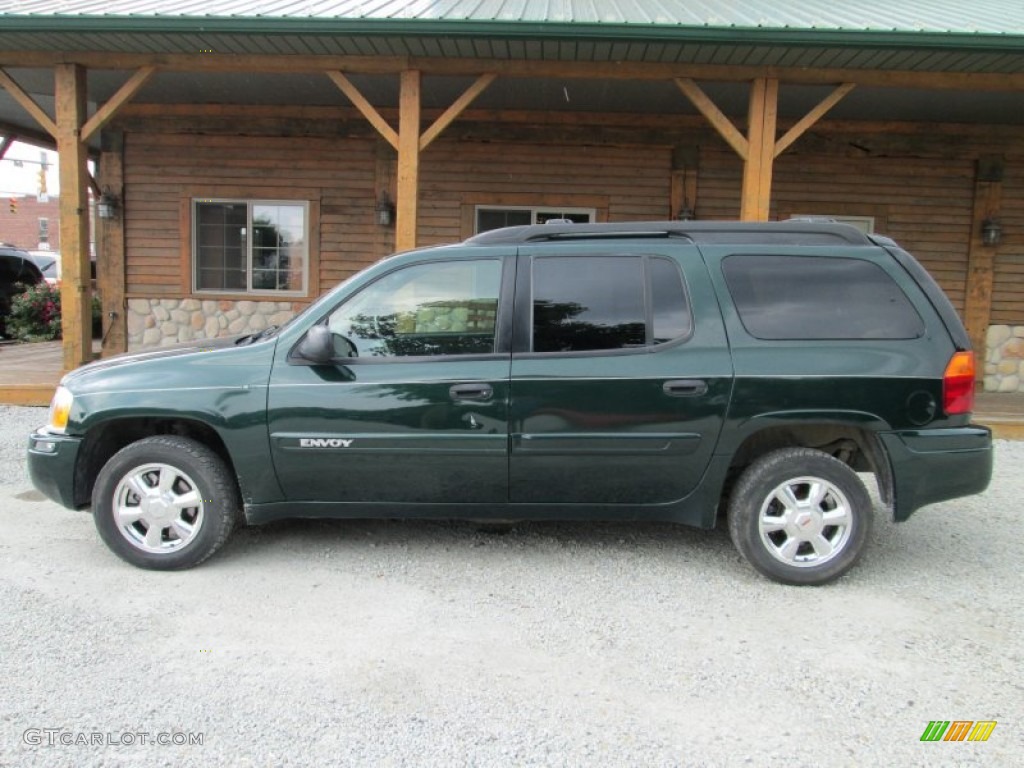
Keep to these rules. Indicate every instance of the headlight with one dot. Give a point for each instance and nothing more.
(60, 409)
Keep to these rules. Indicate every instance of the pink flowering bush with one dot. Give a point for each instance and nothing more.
(35, 314)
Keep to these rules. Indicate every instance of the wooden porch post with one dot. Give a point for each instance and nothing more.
(110, 263)
(408, 161)
(758, 149)
(75, 292)
(757, 168)
(408, 141)
(988, 192)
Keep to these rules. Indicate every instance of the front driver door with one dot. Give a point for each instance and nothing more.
(420, 413)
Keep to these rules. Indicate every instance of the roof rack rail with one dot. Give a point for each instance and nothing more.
(794, 231)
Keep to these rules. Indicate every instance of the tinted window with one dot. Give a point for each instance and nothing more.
(443, 308)
(601, 302)
(588, 303)
(797, 297)
(668, 298)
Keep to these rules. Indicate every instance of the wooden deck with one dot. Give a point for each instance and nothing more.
(29, 374)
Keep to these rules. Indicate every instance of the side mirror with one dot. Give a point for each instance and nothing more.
(317, 346)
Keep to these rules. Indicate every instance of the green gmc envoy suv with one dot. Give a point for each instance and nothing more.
(666, 371)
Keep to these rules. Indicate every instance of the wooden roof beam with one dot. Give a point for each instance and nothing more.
(104, 114)
(715, 116)
(598, 70)
(802, 125)
(365, 107)
(28, 103)
(1005, 133)
(456, 109)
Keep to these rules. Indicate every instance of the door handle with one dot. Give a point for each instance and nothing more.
(685, 387)
(476, 392)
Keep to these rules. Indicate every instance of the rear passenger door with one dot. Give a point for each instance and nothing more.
(620, 373)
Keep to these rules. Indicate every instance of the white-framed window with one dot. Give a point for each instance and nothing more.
(250, 246)
(865, 224)
(490, 217)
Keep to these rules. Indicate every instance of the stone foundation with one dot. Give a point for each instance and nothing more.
(1004, 358)
(162, 322)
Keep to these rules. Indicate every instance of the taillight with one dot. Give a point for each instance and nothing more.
(958, 384)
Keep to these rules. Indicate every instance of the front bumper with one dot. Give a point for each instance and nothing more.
(932, 465)
(51, 465)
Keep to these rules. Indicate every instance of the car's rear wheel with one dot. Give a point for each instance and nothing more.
(165, 503)
(800, 516)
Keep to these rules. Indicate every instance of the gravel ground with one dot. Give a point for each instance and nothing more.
(434, 644)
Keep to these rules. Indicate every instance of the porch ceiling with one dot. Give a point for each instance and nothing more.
(206, 52)
(514, 93)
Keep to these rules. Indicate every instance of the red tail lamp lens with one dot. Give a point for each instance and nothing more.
(958, 384)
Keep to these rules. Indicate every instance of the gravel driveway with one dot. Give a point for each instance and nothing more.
(435, 644)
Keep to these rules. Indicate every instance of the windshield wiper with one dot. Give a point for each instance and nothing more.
(253, 337)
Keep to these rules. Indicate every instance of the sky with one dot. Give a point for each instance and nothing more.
(24, 180)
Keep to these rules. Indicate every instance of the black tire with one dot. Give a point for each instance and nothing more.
(804, 540)
(170, 532)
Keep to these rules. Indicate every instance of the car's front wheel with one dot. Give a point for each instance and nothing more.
(800, 516)
(165, 503)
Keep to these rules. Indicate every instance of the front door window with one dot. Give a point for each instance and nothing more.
(445, 308)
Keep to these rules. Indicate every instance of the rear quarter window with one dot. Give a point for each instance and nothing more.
(816, 297)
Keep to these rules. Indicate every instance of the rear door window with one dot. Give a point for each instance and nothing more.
(815, 297)
(589, 303)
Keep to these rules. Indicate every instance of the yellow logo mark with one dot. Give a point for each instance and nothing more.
(982, 730)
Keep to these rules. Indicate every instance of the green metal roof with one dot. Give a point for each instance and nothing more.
(926, 35)
(942, 16)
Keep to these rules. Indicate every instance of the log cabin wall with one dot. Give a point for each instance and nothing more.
(917, 186)
(618, 183)
(341, 177)
(163, 170)
(924, 206)
(1004, 342)
(1008, 293)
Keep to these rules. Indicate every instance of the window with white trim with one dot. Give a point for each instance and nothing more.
(490, 217)
(250, 246)
(865, 224)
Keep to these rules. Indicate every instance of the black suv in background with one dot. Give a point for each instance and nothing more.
(661, 371)
(17, 271)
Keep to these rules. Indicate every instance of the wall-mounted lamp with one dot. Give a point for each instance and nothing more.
(107, 205)
(991, 232)
(385, 209)
(686, 213)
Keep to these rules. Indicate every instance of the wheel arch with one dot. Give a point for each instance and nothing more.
(106, 438)
(856, 443)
